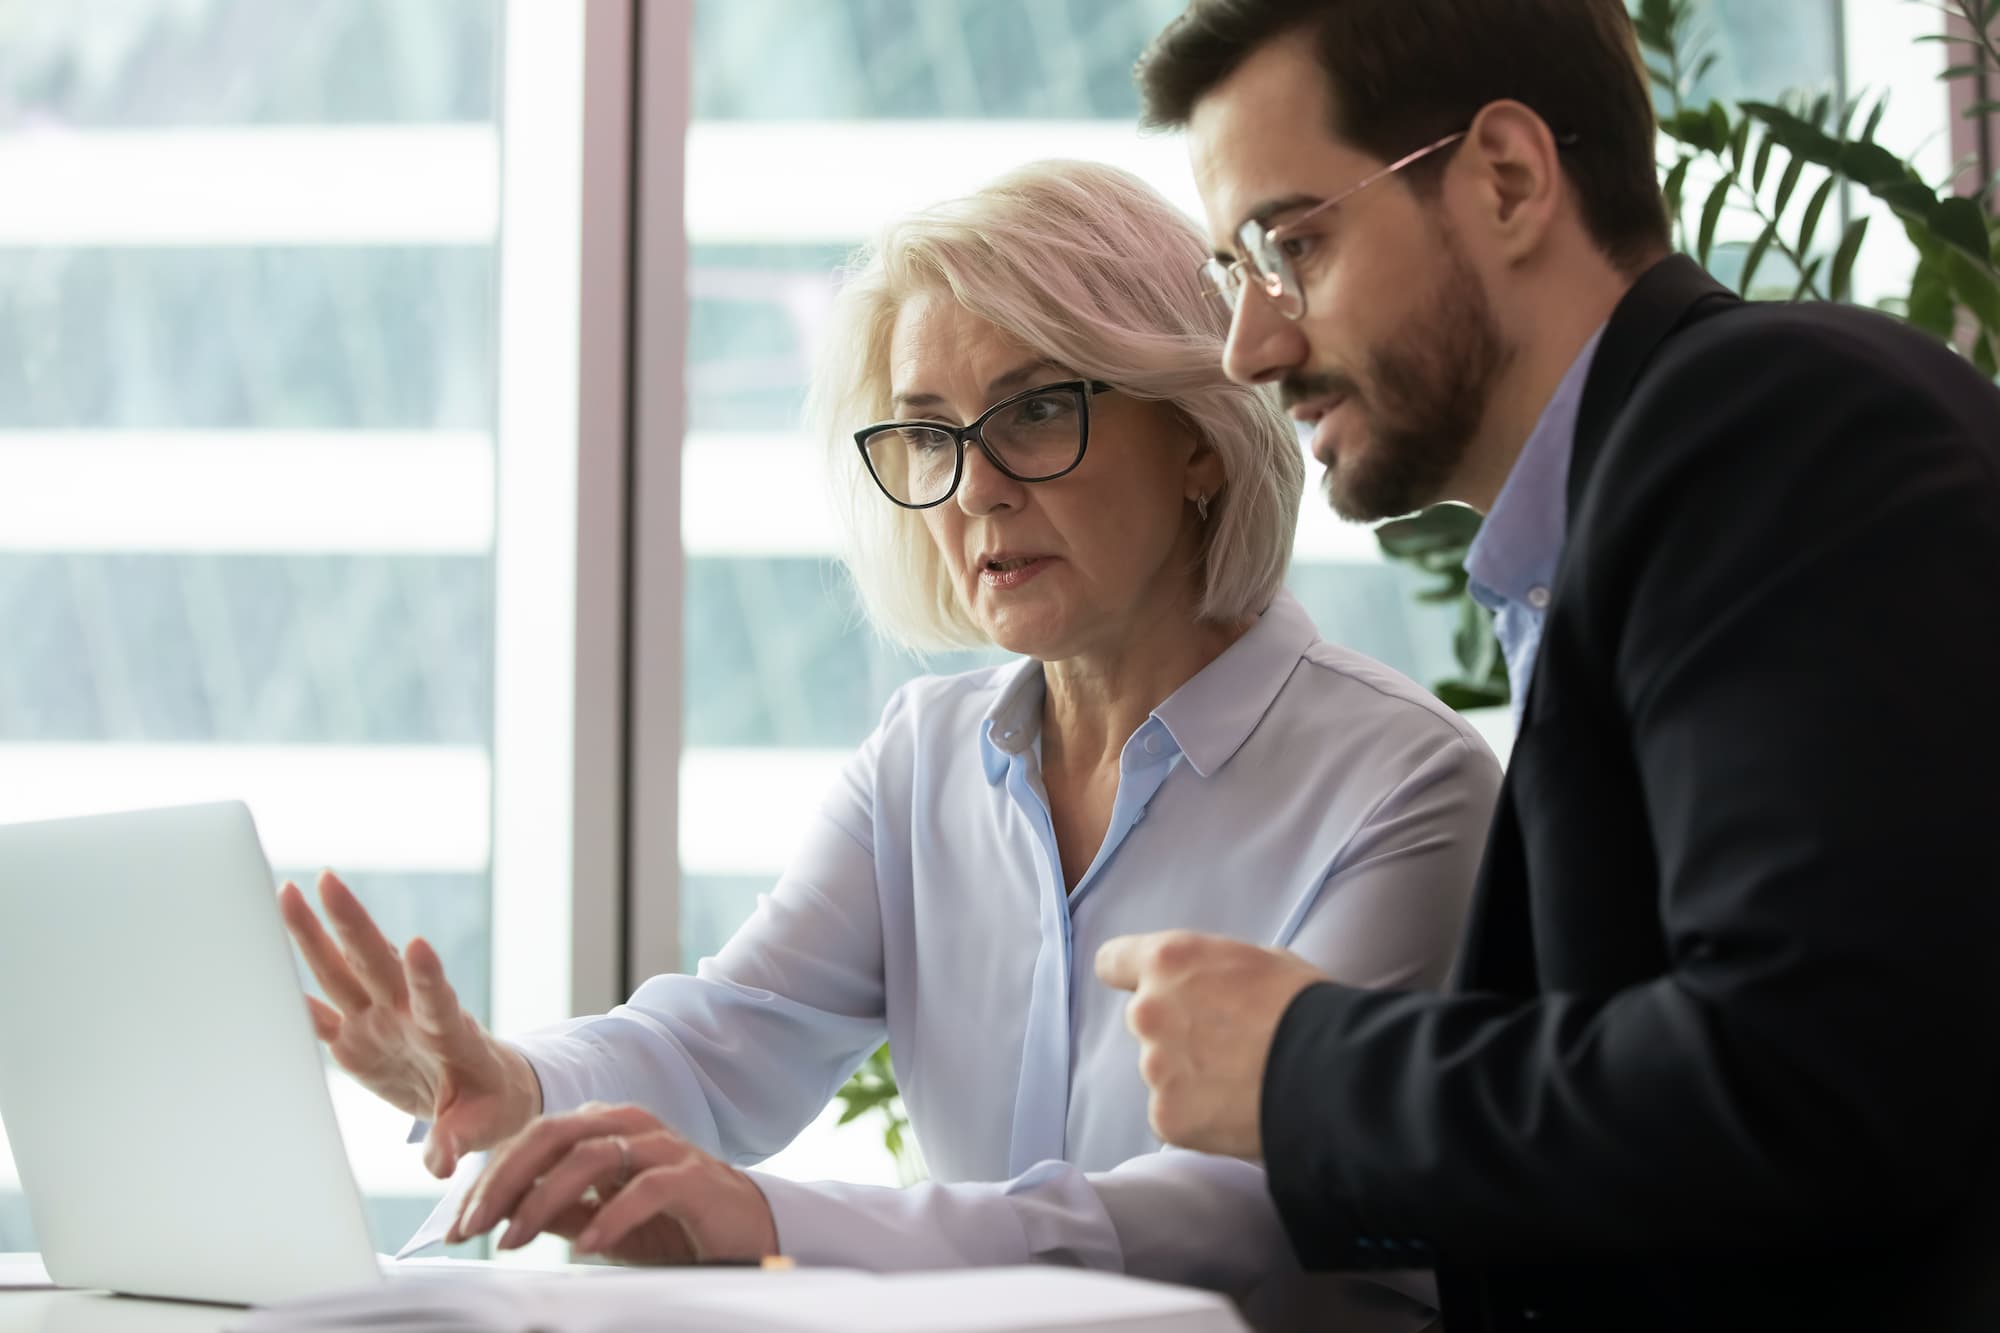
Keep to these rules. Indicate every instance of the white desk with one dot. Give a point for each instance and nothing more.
(994, 1300)
(95, 1312)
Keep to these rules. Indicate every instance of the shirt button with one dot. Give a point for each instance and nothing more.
(1152, 745)
(1538, 597)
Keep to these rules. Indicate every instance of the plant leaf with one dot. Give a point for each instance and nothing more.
(1762, 162)
(1963, 223)
(1739, 142)
(1758, 249)
(1445, 527)
(1806, 279)
(1675, 183)
(1931, 307)
(1719, 128)
(1697, 129)
(1800, 136)
(1809, 224)
(1711, 213)
(1976, 288)
(1461, 695)
(1788, 183)
(1874, 121)
(1655, 20)
(1847, 115)
(1840, 282)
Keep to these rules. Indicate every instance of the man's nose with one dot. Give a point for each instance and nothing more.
(1263, 345)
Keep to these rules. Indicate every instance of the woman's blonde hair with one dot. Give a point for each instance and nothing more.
(1093, 267)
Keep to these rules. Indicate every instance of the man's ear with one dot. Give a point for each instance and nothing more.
(1517, 177)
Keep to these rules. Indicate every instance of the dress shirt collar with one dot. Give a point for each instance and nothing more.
(1208, 717)
(1513, 559)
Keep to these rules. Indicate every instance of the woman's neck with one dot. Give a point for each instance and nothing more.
(1095, 701)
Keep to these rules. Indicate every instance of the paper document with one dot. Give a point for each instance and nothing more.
(979, 1300)
(441, 1217)
(23, 1272)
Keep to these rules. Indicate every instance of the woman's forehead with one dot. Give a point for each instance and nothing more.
(938, 347)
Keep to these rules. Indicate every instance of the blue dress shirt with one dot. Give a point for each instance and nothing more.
(1512, 563)
(1292, 793)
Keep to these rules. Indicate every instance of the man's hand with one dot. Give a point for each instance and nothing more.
(1205, 1011)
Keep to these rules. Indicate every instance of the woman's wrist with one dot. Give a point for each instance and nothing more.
(524, 1087)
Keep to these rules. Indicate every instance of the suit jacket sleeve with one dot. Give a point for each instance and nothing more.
(1791, 578)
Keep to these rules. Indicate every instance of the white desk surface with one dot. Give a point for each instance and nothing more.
(914, 1301)
(95, 1312)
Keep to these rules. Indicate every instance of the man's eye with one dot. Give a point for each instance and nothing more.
(1295, 248)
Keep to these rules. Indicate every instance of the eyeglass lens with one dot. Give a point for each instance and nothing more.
(1034, 438)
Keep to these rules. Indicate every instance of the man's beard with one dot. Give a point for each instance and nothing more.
(1426, 395)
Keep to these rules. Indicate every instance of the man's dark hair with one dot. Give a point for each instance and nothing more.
(1402, 73)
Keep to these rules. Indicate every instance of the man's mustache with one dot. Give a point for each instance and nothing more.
(1296, 389)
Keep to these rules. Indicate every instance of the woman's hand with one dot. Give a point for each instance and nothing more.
(396, 1025)
(619, 1184)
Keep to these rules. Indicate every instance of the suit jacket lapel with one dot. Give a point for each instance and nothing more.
(1500, 947)
(1664, 299)
(1659, 303)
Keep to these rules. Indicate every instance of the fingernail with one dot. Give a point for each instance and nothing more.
(586, 1243)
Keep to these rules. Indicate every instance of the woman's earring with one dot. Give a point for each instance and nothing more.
(1201, 507)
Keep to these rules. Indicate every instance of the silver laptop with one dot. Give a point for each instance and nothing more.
(159, 1077)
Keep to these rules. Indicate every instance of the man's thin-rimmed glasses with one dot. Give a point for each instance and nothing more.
(1038, 434)
(1263, 248)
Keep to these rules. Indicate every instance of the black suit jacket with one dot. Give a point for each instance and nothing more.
(1724, 1050)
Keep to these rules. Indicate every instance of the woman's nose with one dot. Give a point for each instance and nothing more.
(983, 488)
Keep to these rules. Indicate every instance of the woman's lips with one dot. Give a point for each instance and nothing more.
(1012, 574)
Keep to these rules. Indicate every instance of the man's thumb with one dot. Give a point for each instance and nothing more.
(1118, 962)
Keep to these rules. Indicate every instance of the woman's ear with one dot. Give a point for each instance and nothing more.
(1206, 474)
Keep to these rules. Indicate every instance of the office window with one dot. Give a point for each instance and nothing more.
(249, 312)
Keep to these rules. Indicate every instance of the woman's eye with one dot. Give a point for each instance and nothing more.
(1041, 411)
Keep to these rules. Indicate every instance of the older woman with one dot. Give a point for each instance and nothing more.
(1059, 467)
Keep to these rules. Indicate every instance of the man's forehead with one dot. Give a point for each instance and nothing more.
(1262, 134)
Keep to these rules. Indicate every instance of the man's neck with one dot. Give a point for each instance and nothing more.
(1553, 325)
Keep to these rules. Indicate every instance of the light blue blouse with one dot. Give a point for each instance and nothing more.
(1292, 793)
